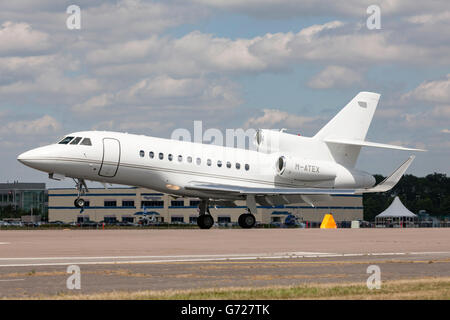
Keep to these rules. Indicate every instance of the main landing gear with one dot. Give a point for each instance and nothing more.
(248, 220)
(204, 220)
(81, 189)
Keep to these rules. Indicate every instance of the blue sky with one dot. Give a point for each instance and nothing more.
(151, 67)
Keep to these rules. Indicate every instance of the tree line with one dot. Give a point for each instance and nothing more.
(430, 193)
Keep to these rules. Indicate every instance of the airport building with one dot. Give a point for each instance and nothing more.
(131, 204)
(24, 196)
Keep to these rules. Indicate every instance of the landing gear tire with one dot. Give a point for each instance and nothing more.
(205, 221)
(79, 203)
(246, 220)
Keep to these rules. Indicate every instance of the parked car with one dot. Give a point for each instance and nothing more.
(16, 223)
(85, 224)
(57, 222)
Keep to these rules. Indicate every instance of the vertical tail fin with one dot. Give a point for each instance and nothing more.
(352, 122)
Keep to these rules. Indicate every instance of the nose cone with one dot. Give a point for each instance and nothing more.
(26, 157)
(36, 158)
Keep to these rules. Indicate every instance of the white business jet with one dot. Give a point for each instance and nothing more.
(284, 168)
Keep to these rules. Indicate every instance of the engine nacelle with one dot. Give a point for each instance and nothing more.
(269, 141)
(303, 169)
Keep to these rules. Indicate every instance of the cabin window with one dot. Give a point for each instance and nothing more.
(180, 158)
(238, 165)
(86, 142)
(151, 154)
(189, 159)
(142, 153)
(228, 164)
(170, 157)
(161, 155)
(208, 162)
(66, 140)
(76, 140)
(247, 167)
(219, 163)
(199, 161)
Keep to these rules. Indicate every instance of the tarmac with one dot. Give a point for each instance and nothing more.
(35, 262)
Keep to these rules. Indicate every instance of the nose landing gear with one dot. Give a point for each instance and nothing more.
(79, 203)
(81, 189)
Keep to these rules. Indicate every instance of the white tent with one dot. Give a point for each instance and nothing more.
(396, 215)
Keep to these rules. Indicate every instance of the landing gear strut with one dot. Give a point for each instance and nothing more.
(81, 189)
(204, 220)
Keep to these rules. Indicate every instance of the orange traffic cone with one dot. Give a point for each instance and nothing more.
(328, 222)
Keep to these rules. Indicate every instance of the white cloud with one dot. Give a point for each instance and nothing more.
(280, 119)
(52, 82)
(433, 91)
(196, 53)
(166, 92)
(335, 77)
(293, 8)
(21, 39)
(139, 17)
(41, 126)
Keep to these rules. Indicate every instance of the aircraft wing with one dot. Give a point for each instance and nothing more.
(225, 188)
(385, 185)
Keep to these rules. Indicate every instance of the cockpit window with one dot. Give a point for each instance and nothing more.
(76, 140)
(86, 142)
(66, 140)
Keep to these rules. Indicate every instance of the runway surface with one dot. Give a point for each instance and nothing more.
(34, 263)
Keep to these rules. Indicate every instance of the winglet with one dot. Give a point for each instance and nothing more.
(388, 183)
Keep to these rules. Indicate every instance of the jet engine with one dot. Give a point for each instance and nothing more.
(303, 169)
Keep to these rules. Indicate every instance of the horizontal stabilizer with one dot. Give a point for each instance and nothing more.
(368, 144)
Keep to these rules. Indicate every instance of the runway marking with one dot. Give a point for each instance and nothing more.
(55, 261)
(10, 280)
(5, 242)
(297, 253)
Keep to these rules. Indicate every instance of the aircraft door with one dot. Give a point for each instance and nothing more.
(111, 158)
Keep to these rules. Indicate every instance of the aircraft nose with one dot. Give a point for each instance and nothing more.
(41, 158)
(25, 157)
